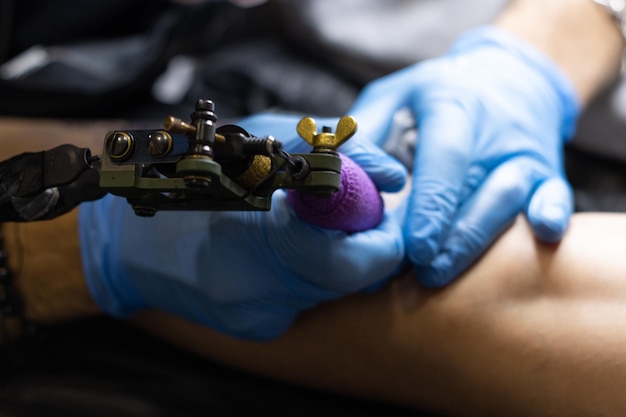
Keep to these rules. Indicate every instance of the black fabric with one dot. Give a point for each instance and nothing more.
(100, 59)
(52, 23)
(102, 367)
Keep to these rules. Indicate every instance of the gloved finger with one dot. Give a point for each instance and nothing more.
(397, 214)
(377, 103)
(331, 259)
(441, 166)
(387, 172)
(550, 208)
(476, 174)
(380, 254)
(482, 218)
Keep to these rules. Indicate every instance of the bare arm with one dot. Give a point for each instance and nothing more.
(45, 255)
(578, 35)
(530, 330)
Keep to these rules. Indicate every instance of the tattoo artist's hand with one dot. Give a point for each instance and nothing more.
(246, 274)
(492, 117)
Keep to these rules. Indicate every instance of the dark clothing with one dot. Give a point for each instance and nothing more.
(102, 367)
(102, 57)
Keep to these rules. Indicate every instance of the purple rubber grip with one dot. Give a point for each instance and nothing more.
(355, 207)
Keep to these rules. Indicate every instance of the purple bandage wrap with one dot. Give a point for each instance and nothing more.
(355, 207)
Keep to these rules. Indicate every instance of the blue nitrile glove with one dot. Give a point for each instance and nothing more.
(246, 274)
(492, 116)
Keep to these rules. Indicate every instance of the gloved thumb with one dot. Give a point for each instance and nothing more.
(549, 209)
(379, 100)
(387, 172)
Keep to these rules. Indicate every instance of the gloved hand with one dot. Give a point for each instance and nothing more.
(246, 274)
(492, 117)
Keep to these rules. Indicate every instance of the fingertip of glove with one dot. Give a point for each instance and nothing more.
(391, 180)
(377, 286)
(418, 255)
(421, 246)
(443, 270)
(551, 227)
(388, 173)
(433, 277)
(549, 222)
(550, 209)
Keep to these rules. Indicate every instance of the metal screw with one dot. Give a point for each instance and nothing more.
(205, 105)
(119, 145)
(159, 144)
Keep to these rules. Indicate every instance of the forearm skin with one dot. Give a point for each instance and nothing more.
(581, 38)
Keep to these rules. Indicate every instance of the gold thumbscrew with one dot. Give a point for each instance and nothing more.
(326, 139)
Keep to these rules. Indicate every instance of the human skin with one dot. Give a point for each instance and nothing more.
(578, 35)
(531, 329)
